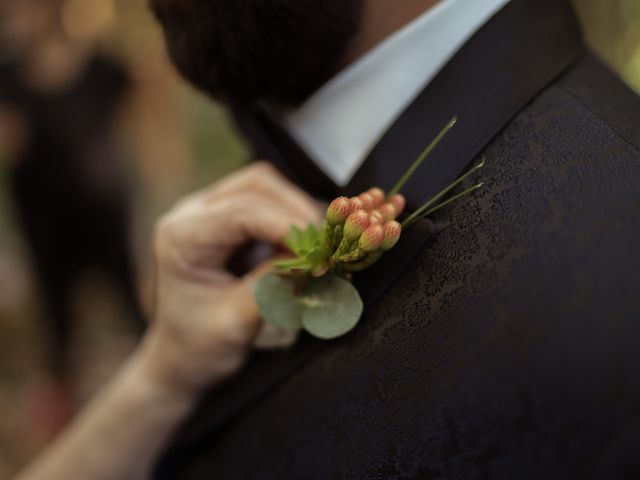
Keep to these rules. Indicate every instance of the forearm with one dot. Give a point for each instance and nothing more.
(204, 324)
(120, 433)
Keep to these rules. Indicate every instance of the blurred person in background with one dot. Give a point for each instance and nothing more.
(58, 100)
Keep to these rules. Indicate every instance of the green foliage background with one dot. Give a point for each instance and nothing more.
(612, 29)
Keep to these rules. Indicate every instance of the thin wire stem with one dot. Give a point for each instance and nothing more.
(407, 175)
(419, 213)
(414, 218)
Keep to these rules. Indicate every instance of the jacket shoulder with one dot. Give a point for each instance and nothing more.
(605, 95)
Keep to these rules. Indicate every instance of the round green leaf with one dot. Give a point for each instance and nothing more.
(334, 307)
(277, 303)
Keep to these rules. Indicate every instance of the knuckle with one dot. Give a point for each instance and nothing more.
(262, 168)
(251, 210)
(248, 204)
(165, 232)
(254, 177)
(163, 226)
(233, 329)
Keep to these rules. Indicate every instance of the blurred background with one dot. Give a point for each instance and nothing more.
(98, 137)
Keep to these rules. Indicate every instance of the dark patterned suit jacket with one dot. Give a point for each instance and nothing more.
(506, 345)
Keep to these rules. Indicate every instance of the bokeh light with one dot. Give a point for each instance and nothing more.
(84, 20)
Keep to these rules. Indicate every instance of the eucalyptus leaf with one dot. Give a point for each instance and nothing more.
(277, 303)
(333, 307)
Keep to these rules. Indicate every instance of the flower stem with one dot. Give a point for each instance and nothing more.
(414, 218)
(405, 178)
(420, 212)
(363, 264)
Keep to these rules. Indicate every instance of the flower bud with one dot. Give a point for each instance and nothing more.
(376, 217)
(339, 211)
(356, 204)
(388, 212)
(372, 238)
(392, 231)
(399, 203)
(378, 196)
(357, 223)
(367, 200)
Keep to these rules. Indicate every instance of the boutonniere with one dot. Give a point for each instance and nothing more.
(313, 290)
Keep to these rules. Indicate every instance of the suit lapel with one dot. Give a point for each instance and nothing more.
(502, 68)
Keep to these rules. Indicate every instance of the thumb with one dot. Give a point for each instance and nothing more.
(243, 292)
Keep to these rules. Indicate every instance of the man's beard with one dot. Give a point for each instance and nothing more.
(244, 51)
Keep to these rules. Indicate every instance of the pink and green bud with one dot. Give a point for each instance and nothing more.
(357, 223)
(388, 212)
(367, 200)
(392, 231)
(372, 238)
(399, 203)
(356, 204)
(376, 217)
(378, 196)
(339, 210)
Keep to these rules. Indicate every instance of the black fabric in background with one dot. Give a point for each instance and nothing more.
(70, 192)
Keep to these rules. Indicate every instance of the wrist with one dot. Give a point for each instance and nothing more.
(156, 369)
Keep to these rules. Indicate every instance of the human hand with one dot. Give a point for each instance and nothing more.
(205, 318)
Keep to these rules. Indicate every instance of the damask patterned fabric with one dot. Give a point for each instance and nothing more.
(503, 346)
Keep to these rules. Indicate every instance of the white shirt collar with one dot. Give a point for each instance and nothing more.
(340, 124)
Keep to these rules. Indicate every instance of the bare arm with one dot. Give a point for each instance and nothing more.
(120, 432)
(204, 323)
